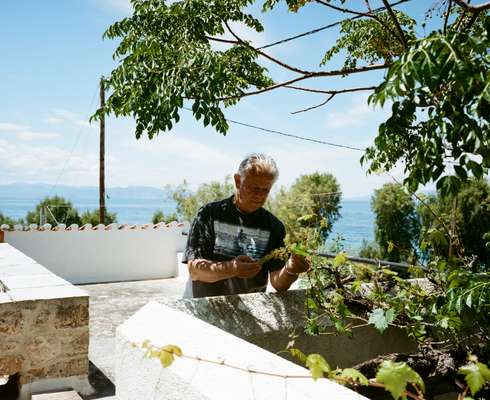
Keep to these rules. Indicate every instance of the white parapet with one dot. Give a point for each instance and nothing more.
(103, 254)
(140, 377)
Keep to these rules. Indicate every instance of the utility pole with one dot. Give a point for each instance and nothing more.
(102, 156)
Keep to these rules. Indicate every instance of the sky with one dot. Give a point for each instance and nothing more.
(52, 58)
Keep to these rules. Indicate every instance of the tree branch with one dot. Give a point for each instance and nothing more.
(346, 71)
(396, 22)
(215, 39)
(275, 60)
(447, 15)
(473, 9)
(330, 91)
(317, 106)
(364, 14)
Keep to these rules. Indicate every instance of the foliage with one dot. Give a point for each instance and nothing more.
(93, 217)
(188, 203)
(438, 83)
(166, 58)
(165, 354)
(370, 40)
(397, 226)
(440, 90)
(396, 376)
(5, 219)
(369, 250)
(54, 210)
(159, 216)
(309, 208)
(476, 374)
(467, 213)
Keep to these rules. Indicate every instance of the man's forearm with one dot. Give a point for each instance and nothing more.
(211, 271)
(282, 279)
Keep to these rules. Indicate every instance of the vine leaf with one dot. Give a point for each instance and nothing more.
(354, 375)
(476, 374)
(340, 259)
(396, 375)
(381, 319)
(317, 365)
(298, 354)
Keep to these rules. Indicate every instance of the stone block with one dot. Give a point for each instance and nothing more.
(60, 368)
(71, 316)
(10, 365)
(10, 320)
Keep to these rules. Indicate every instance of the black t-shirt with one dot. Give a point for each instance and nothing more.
(221, 232)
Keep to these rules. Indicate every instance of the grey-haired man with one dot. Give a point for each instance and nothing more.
(227, 237)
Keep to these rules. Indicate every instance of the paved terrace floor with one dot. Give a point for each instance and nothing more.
(111, 304)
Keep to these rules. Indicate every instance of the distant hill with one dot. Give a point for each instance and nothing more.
(28, 191)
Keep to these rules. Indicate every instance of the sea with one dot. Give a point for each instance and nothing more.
(355, 224)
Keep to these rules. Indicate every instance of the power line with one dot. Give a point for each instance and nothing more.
(62, 171)
(333, 24)
(290, 135)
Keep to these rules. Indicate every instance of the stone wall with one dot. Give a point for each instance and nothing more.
(44, 331)
(267, 319)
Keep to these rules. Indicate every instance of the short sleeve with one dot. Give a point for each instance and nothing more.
(278, 234)
(200, 241)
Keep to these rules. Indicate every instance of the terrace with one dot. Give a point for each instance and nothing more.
(129, 304)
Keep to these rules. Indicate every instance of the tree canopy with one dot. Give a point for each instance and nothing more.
(438, 82)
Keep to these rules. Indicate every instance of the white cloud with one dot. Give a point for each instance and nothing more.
(31, 135)
(122, 6)
(54, 120)
(22, 162)
(24, 132)
(9, 127)
(60, 116)
(358, 114)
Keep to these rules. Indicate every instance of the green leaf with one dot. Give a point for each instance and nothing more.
(298, 250)
(317, 365)
(396, 375)
(298, 354)
(476, 375)
(380, 319)
(354, 375)
(340, 259)
(166, 354)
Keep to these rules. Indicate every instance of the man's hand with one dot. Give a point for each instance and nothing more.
(297, 264)
(245, 267)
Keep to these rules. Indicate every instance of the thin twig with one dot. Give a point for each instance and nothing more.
(311, 32)
(473, 9)
(340, 72)
(215, 39)
(447, 15)
(275, 60)
(304, 89)
(317, 106)
(362, 14)
(396, 22)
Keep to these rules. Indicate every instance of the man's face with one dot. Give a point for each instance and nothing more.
(252, 191)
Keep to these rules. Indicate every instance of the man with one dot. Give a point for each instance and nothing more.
(229, 236)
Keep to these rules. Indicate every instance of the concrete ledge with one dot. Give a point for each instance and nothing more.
(138, 377)
(44, 332)
(267, 319)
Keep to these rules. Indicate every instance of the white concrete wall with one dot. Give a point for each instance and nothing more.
(100, 255)
(140, 377)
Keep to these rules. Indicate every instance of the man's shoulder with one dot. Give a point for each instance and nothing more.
(275, 222)
(214, 207)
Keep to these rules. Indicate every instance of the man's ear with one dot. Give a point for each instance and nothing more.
(237, 179)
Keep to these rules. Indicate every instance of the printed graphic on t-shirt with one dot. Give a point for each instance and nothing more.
(233, 240)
